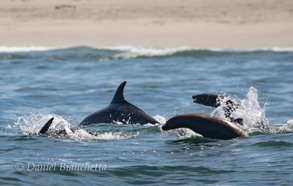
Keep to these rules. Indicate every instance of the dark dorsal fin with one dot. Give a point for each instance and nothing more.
(46, 126)
(118, 97)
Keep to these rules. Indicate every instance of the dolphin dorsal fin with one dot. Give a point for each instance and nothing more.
(46, 126)
(118, 97)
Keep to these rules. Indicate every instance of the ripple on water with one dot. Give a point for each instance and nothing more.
(71, 83)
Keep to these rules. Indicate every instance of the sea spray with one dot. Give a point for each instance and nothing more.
(249, 110)
(32, 123)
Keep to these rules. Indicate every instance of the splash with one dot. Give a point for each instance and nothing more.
(282, 128)
(32, 124)
(290, 124)
(83, 135)
(186, 133)
(160, 119)
(248, 109)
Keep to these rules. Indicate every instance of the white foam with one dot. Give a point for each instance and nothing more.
(279, 49)
(290, 124)
(160, 119)
(32, 124)
(136, 51)
(186, 133)
(129, 52)
(115, 136)
(25, 48)
(249, 110)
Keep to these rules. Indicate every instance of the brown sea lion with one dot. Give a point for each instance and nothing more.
(205, 125)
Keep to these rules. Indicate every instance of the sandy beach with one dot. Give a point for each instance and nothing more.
(165, 23)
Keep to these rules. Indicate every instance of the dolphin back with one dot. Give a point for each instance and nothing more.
(119, 111)
(125, 113)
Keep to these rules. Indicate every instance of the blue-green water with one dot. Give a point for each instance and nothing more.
(72, 83)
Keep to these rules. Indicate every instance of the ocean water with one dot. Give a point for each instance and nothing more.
(38, 83)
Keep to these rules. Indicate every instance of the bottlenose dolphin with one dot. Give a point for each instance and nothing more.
(229, 107)
(60, 133)
(119, 110)
(207, 126)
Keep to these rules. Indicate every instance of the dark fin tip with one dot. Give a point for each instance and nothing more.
(46, 126)
(119, 97)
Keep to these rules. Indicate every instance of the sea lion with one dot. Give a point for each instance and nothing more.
(205, 125)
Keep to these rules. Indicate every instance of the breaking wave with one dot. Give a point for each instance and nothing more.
(139, 51)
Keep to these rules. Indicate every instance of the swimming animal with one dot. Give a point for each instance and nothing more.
(205, 125)
(60, 133)
(214, 100)
(229, 107)
(119, 110)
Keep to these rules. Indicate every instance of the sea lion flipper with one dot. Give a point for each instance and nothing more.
(118, 97)
(211, 100)
(46, 127)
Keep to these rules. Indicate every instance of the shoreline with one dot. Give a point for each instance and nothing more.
(141, 50)
(121, 33)
(198, 24)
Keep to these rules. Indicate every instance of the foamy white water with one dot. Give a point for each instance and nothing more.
(32, 124)
(136, 51)
(249, 110)
(25, 48)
